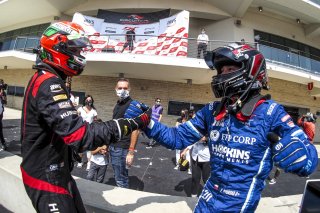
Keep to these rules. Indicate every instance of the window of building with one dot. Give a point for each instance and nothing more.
(175, 107)
(15, 91)
(287, 44)
(80, 95)
(289, 51)
(27, 37)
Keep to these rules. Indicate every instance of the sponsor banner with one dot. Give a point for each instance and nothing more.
(173, 33)
(166, 38)
(146, 34)
(90, 24)
(132, 18)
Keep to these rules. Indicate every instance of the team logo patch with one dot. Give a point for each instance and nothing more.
(53, 167)
(55, 88)
(216, 187)
(290, 124)
(285, 118)
(214, 135)
(64, 104)
(125, 130)
(271, 108)
(211, 106)
(218, 123)
(68, 113)
(60, 97)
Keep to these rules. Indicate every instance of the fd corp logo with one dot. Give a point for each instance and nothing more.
(214, 135)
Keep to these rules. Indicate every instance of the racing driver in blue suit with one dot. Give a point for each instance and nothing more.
(241, 154)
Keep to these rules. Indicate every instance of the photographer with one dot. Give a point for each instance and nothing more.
(307, 123)
(3, 100)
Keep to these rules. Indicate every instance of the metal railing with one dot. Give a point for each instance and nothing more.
(289, 57)
(26, 44)
(190, 43)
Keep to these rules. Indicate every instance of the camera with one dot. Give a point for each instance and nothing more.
(309, 117)
(3, 85)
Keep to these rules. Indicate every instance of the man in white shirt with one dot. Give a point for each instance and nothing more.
(200, 163)
(202, 42)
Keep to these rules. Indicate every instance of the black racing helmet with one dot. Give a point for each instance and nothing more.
(252, 74)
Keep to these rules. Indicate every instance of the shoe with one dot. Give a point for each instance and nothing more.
(4, 146)
(79, 165)
(189, 172)
(88, 166)
(148, 147)
(194, 195)
(272, 181)
(176, 167)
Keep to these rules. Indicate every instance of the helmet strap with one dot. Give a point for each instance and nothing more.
(220, 107)
(251, 103)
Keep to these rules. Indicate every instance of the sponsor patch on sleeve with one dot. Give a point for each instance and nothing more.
(285, 118)
(60, 97)
(290, 124)
(67, 114)
(64, 104)
(271, 108)
(211, 105)
(56, 88)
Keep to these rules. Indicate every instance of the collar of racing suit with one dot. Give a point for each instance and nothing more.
(43, 66)
(246, 111)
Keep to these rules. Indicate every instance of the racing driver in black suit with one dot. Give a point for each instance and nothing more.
(51, 130)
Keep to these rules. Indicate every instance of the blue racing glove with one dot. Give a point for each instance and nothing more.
(295, 155)
(135, 109)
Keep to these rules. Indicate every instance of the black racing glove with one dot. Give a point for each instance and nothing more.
(128, 125)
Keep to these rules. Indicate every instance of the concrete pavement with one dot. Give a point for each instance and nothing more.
(147, 173)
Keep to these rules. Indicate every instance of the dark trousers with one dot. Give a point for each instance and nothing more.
(128, 43)
(49, 202)
(202, 47)
(97, 170)
(1, 130)
(199, 169)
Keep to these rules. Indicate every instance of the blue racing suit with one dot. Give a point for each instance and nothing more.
(241, 155)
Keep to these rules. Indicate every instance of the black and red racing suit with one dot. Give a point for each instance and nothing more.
(51, 131)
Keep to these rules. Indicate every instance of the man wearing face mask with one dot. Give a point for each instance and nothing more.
(202, 42)
(122, 153)
(157, 110)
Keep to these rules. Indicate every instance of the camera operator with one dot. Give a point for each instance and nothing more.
(3, 100)
(307, 123)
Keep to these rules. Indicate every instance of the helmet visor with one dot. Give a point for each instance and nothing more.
(78, 41)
